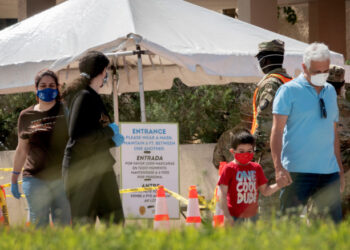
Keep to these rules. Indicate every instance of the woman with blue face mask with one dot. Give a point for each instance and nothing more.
(42, 135)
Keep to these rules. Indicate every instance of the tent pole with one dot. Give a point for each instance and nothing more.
(115, 79)
(140, 73)
(115, 97)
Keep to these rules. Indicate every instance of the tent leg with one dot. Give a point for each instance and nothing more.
(116, 120)
(140, 73)
(115, 100)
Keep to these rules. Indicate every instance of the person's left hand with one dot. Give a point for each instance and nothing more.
(342, 182)
(117, 137)
(114, 127)
(283, 177)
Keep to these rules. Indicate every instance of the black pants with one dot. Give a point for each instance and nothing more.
(324, 189)
(92, 190)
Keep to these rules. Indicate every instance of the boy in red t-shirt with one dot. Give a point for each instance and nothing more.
(242, 180)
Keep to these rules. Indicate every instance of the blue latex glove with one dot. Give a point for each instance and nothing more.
(117, 138)
(14, 190)
(114, 127)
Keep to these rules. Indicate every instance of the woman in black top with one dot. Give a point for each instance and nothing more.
(89, 179)
(42, 137)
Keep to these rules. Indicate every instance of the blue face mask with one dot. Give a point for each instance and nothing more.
(47, 95)
(105, 79)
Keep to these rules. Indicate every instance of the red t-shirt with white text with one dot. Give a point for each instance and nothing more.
(243, 183)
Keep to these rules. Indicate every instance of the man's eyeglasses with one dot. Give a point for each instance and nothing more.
(323, 109)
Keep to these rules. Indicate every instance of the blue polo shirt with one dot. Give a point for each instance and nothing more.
(308, 139)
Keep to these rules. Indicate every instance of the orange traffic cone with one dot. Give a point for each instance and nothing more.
(28, 219)
(4, 216)
(193, 213)
(218, 218)
(161, 217)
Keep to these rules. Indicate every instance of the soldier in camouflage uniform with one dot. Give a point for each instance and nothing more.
(336, 78)
(222, 149)
(242, 93)
(270, 58)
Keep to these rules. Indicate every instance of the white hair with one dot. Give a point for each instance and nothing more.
(316, 52)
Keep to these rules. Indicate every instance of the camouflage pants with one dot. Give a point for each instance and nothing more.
(346, 196)
(265, 160)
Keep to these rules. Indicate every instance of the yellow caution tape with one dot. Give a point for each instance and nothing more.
(135, 190)
(173, 194)
(4, 218)
(6, 169)
(177, 196)
(144, 189)
(203, 203)
(9, 184)
(201, 199)
(11, 196)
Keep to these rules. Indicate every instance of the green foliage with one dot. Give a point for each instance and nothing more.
(347, 92)
(288, 13)
(203, 113)
(10, 108)
(347, 62)
(276, 234)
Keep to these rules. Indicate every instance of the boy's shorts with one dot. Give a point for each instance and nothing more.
(239, 220)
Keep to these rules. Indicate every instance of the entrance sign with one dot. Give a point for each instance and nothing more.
(149, 157)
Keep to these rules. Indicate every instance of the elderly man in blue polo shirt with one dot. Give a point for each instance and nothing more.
(304, 140)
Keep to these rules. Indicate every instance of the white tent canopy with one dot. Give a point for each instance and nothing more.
(198, 45)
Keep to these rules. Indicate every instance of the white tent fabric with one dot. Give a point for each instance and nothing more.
(198, 45)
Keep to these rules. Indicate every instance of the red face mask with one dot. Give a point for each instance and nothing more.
(244, 158)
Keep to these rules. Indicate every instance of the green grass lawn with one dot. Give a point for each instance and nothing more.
(278, 234)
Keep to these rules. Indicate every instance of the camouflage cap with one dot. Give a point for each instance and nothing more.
(273, 45)
(336, 73)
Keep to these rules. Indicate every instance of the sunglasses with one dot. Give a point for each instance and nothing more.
(323, 109)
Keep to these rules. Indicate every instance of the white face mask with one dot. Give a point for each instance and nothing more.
(319, 79)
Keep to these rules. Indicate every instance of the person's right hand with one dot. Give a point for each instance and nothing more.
(14, 190)
(283, 177)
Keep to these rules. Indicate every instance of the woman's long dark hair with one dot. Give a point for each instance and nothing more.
(90, 66)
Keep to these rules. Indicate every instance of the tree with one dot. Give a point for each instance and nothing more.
(10, 108)
(203, 113)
